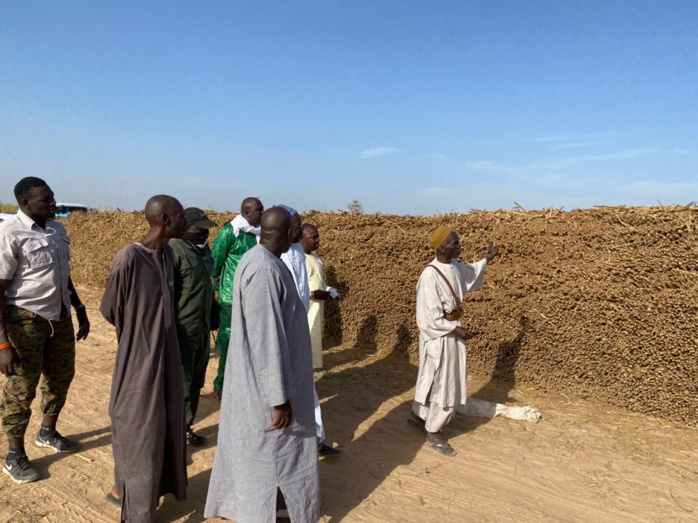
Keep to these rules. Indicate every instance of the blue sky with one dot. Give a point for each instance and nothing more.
(409, 107)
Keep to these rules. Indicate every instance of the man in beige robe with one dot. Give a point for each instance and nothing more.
(319, 291)
(442, 377)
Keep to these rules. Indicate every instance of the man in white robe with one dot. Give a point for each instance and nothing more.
(442, 377)
(295, 260)
(266, 441)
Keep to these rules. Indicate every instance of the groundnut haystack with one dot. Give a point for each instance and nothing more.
(598, 303)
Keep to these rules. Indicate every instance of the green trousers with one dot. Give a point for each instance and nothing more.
(42, 347)
(222, 342)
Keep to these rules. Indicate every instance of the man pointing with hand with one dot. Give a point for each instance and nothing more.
(442, 378)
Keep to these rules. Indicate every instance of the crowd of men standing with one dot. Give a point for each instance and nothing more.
(160, 297)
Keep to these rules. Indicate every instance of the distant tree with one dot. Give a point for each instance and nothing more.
(355, 206)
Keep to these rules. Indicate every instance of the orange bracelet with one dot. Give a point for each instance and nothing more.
(6, 345)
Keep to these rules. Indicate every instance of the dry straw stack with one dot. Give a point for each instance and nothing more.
(599, 303)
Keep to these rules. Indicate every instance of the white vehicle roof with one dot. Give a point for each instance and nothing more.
(73, 205)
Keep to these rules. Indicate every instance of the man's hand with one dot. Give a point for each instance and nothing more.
(464, 334)
(83, 324)
(80, 312)
(492, 251)
(320, 295)
(215, 319)
(7, 361)
(283, 416)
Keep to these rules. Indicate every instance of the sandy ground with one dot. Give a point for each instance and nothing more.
(583, 462)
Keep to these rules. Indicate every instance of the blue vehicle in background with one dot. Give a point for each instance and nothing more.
(64, 209)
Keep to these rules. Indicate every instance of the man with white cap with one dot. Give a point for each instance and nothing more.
(442, 377)
(231, 243)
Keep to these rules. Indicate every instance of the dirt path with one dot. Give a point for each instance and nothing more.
(583, 462)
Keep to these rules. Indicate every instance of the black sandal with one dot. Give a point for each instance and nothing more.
(445, 449)
(111, 498)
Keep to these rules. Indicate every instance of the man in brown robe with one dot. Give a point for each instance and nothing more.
(146, 404)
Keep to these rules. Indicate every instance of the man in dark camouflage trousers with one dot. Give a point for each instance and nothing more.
(38, 349)
(36, 328)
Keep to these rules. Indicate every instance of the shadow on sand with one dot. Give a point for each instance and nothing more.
(43, 463)
(381, 417)
(503, 377)
(372, 427)
(193, 508)
(377, 439)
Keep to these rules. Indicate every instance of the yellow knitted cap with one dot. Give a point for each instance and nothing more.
(438, 237)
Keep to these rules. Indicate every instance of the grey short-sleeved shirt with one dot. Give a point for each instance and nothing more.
(37, 263)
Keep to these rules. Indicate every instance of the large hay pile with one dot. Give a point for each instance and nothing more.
(598, 303)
